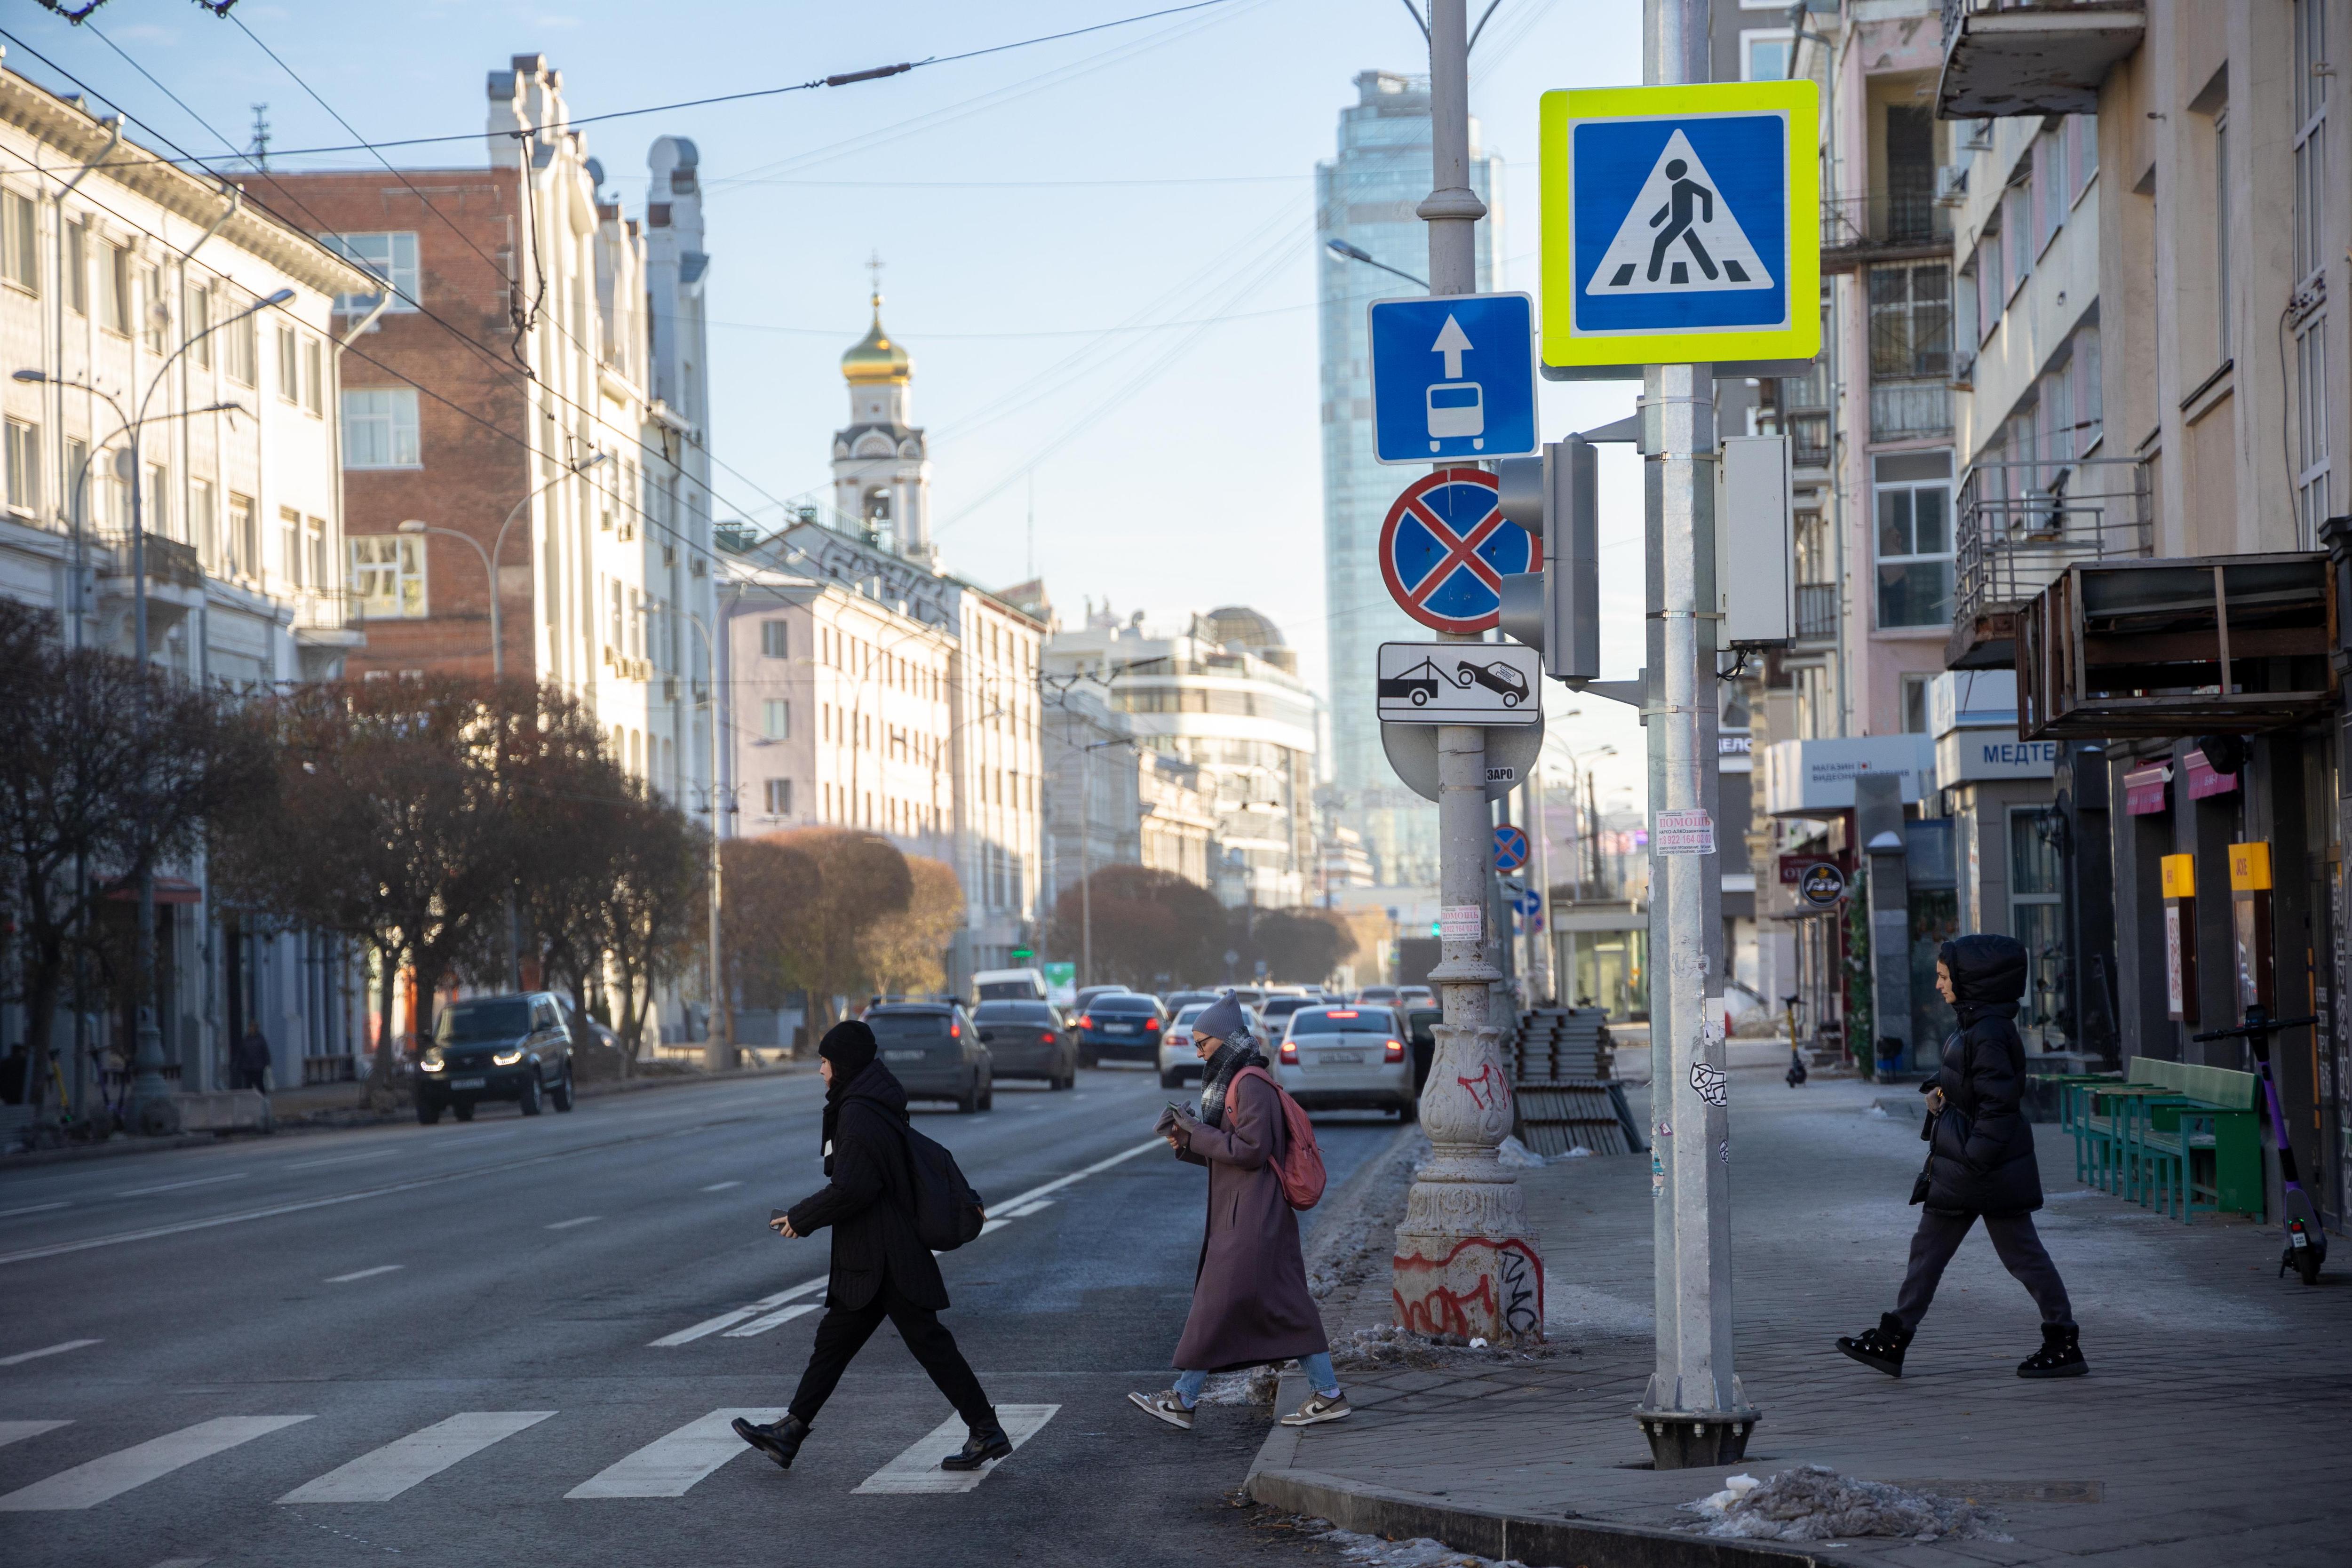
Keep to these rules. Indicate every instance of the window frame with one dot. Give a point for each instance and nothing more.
(1881, 489)
(20, 241)
(775, 638)
(23, 481)
(367, 562)
(361, 413)
(401, 277)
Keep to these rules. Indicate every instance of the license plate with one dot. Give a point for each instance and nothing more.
(1338, 1058)
(903, 1056)
(468, 1082)
(1118, 1028)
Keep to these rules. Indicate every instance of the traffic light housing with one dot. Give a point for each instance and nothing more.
(1556, 611)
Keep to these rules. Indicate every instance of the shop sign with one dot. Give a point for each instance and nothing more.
(1966, 757)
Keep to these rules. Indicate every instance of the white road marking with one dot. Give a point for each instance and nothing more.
(184, 1563)
(23, 1356)
(720, 1187)
(175, 1187)
(32, 1208)
(729, 1320)
(1057, 1185)
(992, 1224)
(111, 1475)
(342, 1160)
(388, 1471)
(17, 1431)
(669, 1465)
(1028, 1208)
(364, 1273)
(781, 1315)
(568, 1224)
(918, 1470)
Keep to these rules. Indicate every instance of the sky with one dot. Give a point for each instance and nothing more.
(1099, 250)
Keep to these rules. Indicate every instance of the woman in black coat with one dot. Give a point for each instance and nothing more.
(1980, 1163)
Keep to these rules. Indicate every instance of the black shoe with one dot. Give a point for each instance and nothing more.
(985, 1442)
(1881, 1348)
(2060, 1354)
(779, 1440)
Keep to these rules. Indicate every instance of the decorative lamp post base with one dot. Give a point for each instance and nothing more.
(1466, 1264)
(1695, 1439)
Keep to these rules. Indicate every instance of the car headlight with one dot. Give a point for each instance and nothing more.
(507, 1058)
(431, 1060)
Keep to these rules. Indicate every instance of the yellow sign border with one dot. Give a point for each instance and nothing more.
(1565, 107)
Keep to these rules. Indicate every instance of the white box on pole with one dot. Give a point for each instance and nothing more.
(1755, 547)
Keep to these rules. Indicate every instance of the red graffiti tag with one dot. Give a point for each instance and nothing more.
(1515, 1271)
(1480, 1089)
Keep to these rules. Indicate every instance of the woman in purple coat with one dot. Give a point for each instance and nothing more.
(1250, 1305)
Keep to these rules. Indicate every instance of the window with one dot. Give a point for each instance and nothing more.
(776, 719)
(157, 517)
(380, 428)
(314, 376)
(2034, 899)
(244, 536)
(290, 544)
(779, 797)
(2311, 373)
(2090, 395)
(20, 255)
(775, 639)
(77, 482)
(2221, 231)
(78, 268)
(387, 573)
(200, 324)
(2052, 179)
(24, 458)
(154, 315)
(114, 290)
(203, 520)
(614, 608)
(1914, 499)
(2312, 76)
(314, 540)
(2083, 141)
(391, 257)
(637, 624)
(239, 351)
(2017, 223)
(1765, 52)
(1915, 704)
(1911, 321)
(1991, 291)
(290, 366)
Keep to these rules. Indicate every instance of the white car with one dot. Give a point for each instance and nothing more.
(1347, 1059)
(1179, 1065)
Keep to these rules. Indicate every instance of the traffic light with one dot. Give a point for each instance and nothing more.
(1556, 611)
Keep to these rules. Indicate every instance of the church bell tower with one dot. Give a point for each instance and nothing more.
(881, 474)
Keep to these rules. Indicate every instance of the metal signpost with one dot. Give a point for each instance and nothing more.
(1466, 1264)
(1681, 236)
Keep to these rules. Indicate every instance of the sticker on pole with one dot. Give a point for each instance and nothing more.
(1446, 550)
(1690, 832)
(1681, 224)
(1461, 922)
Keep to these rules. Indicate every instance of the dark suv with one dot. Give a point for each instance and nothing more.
(496, 1048)
(934, 1052)
(1123, 1025)
(1026, 1040)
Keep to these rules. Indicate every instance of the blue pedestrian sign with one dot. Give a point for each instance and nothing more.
(1510, 848)
(1454, 376)
(1681, 224)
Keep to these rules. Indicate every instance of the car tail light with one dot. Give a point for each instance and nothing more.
(1342, 1012)
(1290, 1053)
(1151, 1026)
(1047, 1036)
(1395, 1052)
(955, 1030)
(1085, 1022)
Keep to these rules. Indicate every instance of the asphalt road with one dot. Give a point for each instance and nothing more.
(445, 1345)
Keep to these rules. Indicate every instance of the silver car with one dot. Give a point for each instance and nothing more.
(1347, 1059)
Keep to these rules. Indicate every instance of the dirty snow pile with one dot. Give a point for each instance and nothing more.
(1389, 1345)
(1517, 1156)
(1254, 1386)
(1371, 1552)
(1814, 1503)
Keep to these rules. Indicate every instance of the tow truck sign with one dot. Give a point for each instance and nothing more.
(1460, 683)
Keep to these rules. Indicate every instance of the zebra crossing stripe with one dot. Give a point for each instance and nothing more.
(388, 1471)
(21, 1357)
(111, 1475)
(781, 1315)
(918, 1470)
(17, 1431)
(669, 1465)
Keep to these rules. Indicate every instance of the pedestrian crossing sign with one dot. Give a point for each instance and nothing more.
(1681, 225)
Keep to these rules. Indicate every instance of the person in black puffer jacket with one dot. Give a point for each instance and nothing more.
(1980, 1163)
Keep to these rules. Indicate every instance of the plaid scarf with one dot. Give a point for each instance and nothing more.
(1223, 1063)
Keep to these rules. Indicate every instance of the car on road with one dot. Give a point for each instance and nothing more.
(1498, 676)
(1027, 1039)
(1179, 1064)
(1122, 1025)
(1177, 1001)
(1347, 1059)
(1408, 995)
(1276, 1010)
(1087, 994)
(1417, 685)
(935, 1052)
(1376, 996)
(1420, 1021)
(496, 1048)
(1009, 985)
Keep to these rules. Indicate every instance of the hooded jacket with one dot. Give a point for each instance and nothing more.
(870, 1199)
(1981, 1158)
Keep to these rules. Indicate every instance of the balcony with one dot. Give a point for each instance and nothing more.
(2021, 526)
(169, 561)
(1817, 611)
(2032, 56)
(1884, 225)
(1910, 408)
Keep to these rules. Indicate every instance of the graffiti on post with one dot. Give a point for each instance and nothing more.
(1481, 1286)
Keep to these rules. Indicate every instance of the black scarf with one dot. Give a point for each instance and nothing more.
(834, 1093)
(1223, 1063)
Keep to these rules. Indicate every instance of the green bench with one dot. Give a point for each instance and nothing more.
(2183, 1136)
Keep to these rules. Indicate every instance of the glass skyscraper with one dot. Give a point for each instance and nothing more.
(1367, 197)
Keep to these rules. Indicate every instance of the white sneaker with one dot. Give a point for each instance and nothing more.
(1319, 1407)
(1167, 1404)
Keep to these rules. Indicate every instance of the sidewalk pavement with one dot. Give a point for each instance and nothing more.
(2209, 1432)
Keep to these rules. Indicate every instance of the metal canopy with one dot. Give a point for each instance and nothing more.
(2031, 58)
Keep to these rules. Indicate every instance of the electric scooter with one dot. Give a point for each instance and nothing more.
(1797, 1074)
(2306, 1239)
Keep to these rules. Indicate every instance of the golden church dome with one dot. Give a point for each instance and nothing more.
(877, 356)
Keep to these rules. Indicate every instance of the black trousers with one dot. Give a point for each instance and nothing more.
(2013, 1239)
(842, 1333)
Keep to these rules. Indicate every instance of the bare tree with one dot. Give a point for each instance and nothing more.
(905, 951)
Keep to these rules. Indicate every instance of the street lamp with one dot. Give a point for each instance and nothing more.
(151, 1098)
(717, 1048)
(1086, 853)
(498, 549)
(1346, 252)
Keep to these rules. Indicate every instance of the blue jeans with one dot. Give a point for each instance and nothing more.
(1317, 1368)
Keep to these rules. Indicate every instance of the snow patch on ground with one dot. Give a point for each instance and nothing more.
(1254, 1386)
(1568, 1306)
(1371, 1552)
(1513, 1155)
(1814, 1503)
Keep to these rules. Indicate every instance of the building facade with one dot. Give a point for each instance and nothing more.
(137, 305)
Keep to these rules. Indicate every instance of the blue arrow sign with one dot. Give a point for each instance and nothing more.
(1510, 848)
(1454, 376)
(1530, 902)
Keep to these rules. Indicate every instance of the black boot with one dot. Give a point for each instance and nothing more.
(1881, 1348)
(779, 1440)
(2060, 1354)
(986, 1443)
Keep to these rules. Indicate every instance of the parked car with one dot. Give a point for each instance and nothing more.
(1180, 1063)
(1124, 1025)
(1347, 1059)
(1407, 995)
(1009, 985)
(1376, 996)
(496, 1048)
(1177, 1001)
(1418, 1022)
(1027, 1039)
(1276, 1010)
(1089, 992)
(935, 1052)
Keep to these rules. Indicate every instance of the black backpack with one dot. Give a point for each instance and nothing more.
(946, 1210)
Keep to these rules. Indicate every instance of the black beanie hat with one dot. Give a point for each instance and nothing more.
(849, 1047)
